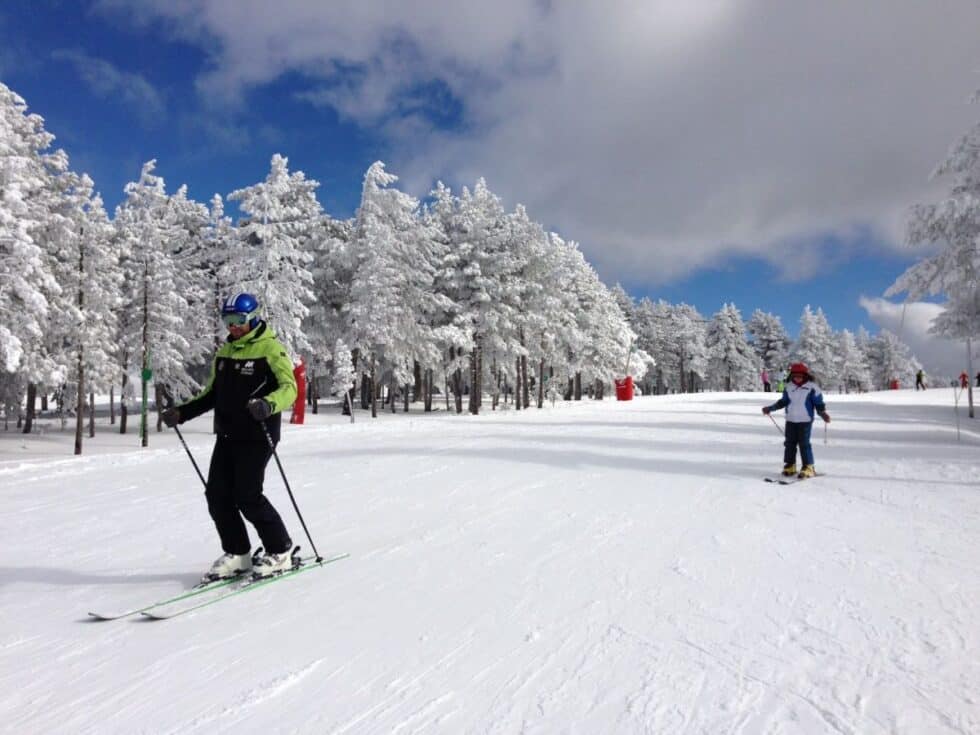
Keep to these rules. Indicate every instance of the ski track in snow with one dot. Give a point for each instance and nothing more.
(600, 567)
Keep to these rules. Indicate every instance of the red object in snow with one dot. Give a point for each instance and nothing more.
(624, 389)
(893, 385)
(299, 408)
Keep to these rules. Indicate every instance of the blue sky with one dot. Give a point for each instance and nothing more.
(696, 155)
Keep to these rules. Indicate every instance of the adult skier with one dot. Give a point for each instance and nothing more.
(801, 399)
(251, 381)
(920, 379)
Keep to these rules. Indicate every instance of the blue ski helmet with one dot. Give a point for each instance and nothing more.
(244, 304)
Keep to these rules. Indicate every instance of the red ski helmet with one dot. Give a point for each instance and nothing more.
(799, 368)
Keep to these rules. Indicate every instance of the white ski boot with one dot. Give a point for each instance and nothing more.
(227, 566)
(269, 565)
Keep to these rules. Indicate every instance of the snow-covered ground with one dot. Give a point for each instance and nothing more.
(599, 567)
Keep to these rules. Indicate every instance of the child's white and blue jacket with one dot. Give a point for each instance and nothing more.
(800, 401)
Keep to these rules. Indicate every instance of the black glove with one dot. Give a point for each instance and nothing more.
(260, 409)
(170, 416)
(825, 416)
(765, 410)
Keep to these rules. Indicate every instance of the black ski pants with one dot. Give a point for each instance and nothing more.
(235, 490)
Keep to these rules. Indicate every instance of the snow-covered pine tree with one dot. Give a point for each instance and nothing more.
(890, 359)
(344, 374)
(154, 342)
(853, 371)
(217, 252)
(28, 196)
(392, 291)
(816, 347)
(954, 224)
(332, 267)
(732, 363)
(688, 342)
(81, 330)
(651, 322)
(769, 340)
(281, 215)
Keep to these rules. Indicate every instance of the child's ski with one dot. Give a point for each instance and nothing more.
(791, 480)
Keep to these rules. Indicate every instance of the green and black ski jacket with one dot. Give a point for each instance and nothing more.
(254, 366)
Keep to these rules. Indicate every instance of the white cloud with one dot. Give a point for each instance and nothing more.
(107, 81)
(663, 134)
(911, 323)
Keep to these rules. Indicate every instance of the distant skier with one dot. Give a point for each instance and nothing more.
(920, 380)
(964, 379)
(978, 380)
(766, 385)
(801, 399)
(251, 382)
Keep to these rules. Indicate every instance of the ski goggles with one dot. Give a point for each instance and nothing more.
(236, 320)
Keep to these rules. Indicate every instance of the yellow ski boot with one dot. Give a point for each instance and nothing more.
(789, 470)
(807, 471)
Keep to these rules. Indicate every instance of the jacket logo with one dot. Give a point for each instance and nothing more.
(248, 368)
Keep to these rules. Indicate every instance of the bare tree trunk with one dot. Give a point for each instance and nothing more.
(417, 388)
(112, 405)
(366, 391)
(44, 401)
(517, 383)
(578, 386)
(158, 400)
(525, 388)
(30, 411)
(428, 390)
(458, 389)
(476, 382)
(683, 374)
(144, 419)
(541, 383)
(374, 391)
(80, 404)
(91, 414)
(123, 408)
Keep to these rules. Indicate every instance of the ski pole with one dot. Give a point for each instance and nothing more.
(272, 446)
(775, 424)
(191, 456)
(170, 404)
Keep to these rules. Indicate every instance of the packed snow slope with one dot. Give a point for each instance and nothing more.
(594, 567)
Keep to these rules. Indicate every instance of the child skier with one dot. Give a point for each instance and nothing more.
(801, 398)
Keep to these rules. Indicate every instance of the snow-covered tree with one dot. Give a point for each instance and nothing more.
(28, 195)
(688, 343)
(954, 224)
(732, 363)
(816, 347)
(854, 373)
(769, 340)
(282, 214)
(393, 285)
(332, 267)
(890, 359)
(154, 341)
